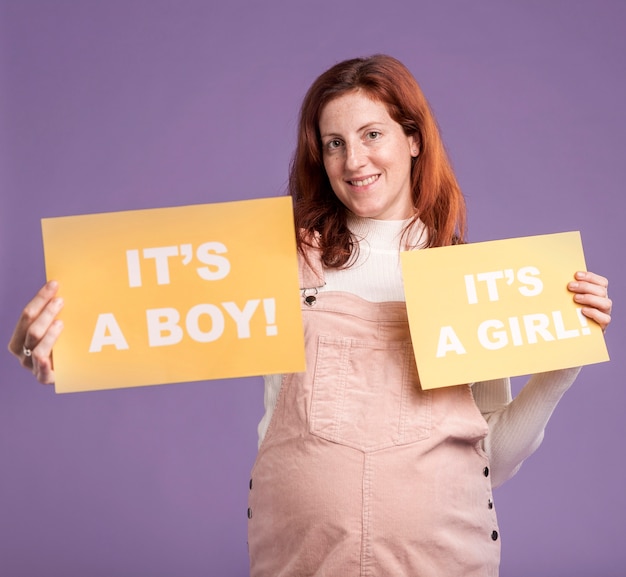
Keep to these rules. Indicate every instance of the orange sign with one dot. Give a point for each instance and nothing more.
(176, 294)
(496, 309)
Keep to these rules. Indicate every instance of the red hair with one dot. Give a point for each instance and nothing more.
(437, 197)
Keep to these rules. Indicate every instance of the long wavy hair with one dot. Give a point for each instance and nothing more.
(437, 197)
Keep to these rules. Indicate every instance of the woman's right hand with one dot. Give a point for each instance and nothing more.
(36, 332)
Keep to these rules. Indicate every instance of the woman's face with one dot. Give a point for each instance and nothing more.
(367, 157)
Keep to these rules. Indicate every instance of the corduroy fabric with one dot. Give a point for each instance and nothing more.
(361, 473)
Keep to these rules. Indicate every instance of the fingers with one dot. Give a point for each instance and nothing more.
(603, 319)
(41, 355)
(595, 283)
(30, 314)
(591, 292)
(36, 332)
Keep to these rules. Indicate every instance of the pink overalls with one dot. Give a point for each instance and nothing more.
(361, 473)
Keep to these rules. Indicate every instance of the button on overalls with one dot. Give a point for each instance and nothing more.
(361, 473)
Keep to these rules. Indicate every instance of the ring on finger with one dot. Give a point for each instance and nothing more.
(27, 352)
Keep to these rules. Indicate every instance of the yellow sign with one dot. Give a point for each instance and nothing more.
(496, 309)
(176, 294)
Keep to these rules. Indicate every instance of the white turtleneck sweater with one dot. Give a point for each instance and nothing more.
(516, 426)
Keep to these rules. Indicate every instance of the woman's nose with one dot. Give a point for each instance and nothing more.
(355, 156)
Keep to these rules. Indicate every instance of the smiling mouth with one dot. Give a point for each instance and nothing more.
(364, 182)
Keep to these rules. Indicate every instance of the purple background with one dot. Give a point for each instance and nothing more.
(124, 104)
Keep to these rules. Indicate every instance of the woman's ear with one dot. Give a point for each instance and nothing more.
(414, 145)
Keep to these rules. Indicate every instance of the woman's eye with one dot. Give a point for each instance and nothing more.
(333, 144)
(373, 135)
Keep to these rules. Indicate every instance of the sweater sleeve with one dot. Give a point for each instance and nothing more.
(516, 426)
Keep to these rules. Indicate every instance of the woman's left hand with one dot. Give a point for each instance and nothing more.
(592, 293)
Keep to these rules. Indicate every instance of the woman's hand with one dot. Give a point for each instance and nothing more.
(36, 332)
(592, 293)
